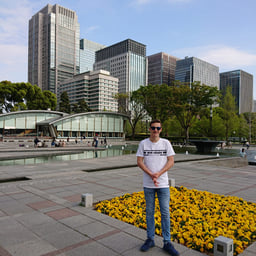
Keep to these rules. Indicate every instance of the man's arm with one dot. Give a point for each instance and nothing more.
(142, 166)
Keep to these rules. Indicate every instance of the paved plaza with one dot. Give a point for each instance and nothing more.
(40, 212)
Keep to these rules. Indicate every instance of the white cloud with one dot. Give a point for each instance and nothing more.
(90, 29)
(226, 57)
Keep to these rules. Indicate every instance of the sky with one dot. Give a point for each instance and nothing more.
(221, 32)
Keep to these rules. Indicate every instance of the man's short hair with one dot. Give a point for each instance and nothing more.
(155, 121)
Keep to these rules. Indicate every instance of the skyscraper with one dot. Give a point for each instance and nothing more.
(53, 47)
(241, 84)
(161, 68)
(195, 70)
(125, 60)
(88, 54)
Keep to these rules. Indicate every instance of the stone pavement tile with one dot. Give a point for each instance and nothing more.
(77, 221)
(4, 252)
(35, 248)
(16, 235)
(48, 228)
(152, 252)
(116, 223)
(62, 213)
(2, 213)
(90, 212)
(191, 252)
(92, 249)
(12, 207)
(4, 198)
(121, 242)
(94, 229)
(21, 195)
(247, 253)
(73, 198)
(33, 218)
(29, 200)
(64, 239)
(41, 204)
(54, 208)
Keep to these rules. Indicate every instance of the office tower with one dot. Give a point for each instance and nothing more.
(87, 54)
(97, 88)
(241, 83)
(195, 70)
(161, 68)
(53, 47)
(125, 60)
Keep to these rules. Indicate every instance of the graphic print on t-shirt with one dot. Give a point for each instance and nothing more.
(152, 152)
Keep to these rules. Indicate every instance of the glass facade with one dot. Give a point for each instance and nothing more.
(24, 123)
(90, 124)
(125, 60)
(195, 70)
(161, 68)
(88, 54)
(241, 84)
(60, 125)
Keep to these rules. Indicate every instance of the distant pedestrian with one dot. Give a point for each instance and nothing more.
(243, 153)
(247, 144)
(36, 140)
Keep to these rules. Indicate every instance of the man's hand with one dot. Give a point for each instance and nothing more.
(154, 177)
(155, 182)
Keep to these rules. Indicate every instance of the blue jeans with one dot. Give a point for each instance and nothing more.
(163, 195)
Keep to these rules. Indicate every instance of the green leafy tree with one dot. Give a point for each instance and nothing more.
(50, 100)
(229, 113)
(64, 105)
(20, 96)
(202, 126)
(122, 100)
(153, 100)
(187, 101)
(83, 106)
(135, 111)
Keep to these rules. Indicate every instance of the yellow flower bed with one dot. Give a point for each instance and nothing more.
(197, 217)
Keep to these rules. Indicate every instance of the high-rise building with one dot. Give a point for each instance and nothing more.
(53, 47)
(161, 68)
(241, 83)
(87, 54)
(97, 88)
(192, 69)
(127, 61)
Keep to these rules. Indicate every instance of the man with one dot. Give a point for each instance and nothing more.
(155, 158)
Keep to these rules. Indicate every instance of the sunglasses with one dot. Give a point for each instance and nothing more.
(153, 128)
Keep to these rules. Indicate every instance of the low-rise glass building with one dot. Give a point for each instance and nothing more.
(61, 125)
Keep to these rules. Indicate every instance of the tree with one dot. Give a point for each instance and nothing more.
(20, 96)
(202, 125)
(153, 100)
(64, 105)
(186, 102)
(122, 100)
(136, 111)
(229, 116)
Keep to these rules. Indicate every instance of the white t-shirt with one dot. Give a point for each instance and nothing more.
(155, 158)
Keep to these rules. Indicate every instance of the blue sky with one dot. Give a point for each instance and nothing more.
(222, 32)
